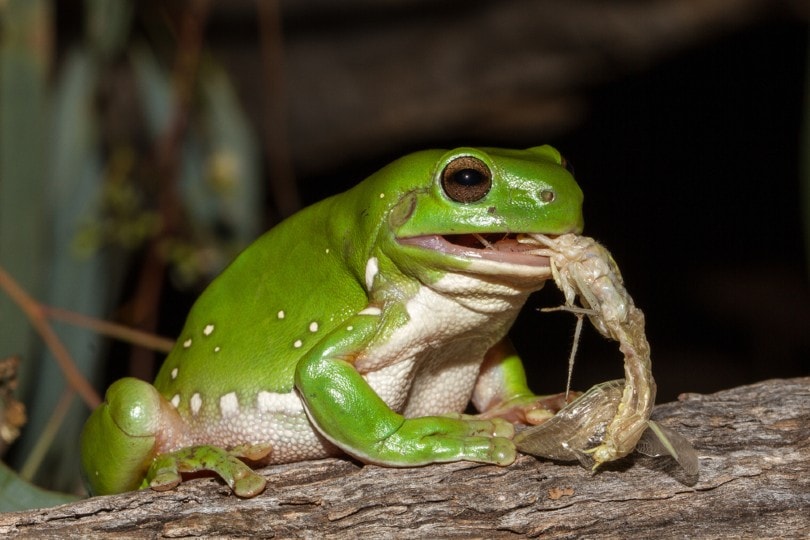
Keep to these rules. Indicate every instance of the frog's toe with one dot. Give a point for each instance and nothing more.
(530, 410)
(502, 428)
(496, 450)
(164, 475)
(252, 452)
(489, 441)
(248, 483)
(493, 427)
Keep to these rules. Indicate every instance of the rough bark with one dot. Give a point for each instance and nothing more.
(753, 443)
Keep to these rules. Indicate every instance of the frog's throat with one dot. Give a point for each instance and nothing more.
(500, 247)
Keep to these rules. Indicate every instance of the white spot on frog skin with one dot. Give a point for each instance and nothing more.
(298, 343)
(349, 328)
(281, 314)
(187, 343)
(382, 195)
(217, 349)
(274, 402)
(229, 404)
(208, 330)
(174, 373)
(313, 326)
(196, 403)
(370, 310)
(175, 400)
(327, 250)
(372, 269)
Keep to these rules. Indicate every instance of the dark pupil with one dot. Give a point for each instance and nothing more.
(468, 177)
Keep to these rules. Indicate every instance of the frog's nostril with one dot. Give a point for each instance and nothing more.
(547, 195)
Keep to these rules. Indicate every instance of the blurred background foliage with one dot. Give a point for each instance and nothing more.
(142, 144)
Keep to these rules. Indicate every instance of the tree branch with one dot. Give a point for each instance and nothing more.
(755, 482)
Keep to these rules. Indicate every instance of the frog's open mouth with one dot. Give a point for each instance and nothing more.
(498, 247)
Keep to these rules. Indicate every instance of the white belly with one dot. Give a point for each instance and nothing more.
(430, 365)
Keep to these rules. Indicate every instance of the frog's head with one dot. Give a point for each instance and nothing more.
(465, 210)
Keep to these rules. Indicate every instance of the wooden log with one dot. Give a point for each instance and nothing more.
(753, 443)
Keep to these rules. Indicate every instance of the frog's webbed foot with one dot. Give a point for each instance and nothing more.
(166, 470)
(530, 410)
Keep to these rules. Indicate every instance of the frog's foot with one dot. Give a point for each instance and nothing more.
(165, 471)
(452, 437)
(530, 410)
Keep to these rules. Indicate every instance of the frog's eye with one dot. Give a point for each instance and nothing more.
(466, 179)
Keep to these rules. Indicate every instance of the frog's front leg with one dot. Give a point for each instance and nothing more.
(502, 391)
(348, 412)
(122, 441)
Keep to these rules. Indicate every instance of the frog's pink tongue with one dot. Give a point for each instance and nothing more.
(491, 247)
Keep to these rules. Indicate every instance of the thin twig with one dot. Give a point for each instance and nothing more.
(110, 329)
(34, 458)
(35, 314)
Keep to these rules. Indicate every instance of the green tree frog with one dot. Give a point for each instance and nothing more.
(362, 325)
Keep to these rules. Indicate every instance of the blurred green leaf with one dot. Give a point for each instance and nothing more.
(24, 63)
(17, 494)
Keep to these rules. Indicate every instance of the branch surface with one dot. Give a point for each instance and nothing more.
(754, 448)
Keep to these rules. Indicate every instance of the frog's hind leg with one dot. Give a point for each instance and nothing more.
(125, 442)
(121, 437)
(165, 471)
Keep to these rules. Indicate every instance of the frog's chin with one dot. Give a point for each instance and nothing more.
(489, 249)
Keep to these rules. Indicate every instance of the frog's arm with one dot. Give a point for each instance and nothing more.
(502, 391)
(348, 412)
